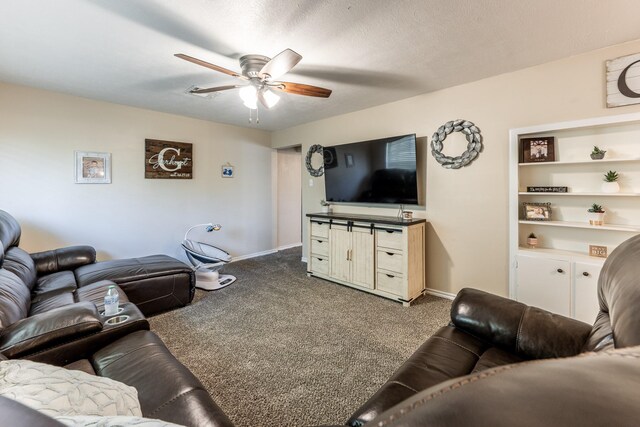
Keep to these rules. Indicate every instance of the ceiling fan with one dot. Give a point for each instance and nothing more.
(261, 74)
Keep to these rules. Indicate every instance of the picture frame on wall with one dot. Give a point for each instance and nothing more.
(536, 211)
(539, 149)
(227, 171)
(92, 167)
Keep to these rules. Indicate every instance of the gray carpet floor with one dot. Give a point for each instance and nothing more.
(278, 348)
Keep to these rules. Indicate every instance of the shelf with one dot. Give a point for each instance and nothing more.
(592, 194)
(585, 162)
(560, 252)
(572, 224)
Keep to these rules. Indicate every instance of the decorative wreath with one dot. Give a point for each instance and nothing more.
(313, 150)
(474, 146)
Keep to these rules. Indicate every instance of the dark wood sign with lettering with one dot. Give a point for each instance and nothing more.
(168, 159)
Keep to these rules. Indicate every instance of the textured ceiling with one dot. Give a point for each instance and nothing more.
(369, 52)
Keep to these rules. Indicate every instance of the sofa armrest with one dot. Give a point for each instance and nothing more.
(68, 258)
(43, 330)
(527, 331)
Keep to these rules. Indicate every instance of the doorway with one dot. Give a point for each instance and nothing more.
(289, 202)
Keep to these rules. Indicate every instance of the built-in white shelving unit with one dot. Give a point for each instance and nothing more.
(559, 275)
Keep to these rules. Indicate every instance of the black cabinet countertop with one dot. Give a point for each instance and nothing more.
(390, 220)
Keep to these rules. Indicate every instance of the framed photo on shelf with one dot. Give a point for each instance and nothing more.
(535, 150)
(93, 168)
(536, 211)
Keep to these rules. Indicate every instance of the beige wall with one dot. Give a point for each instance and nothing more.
(467, 208)
(133, 216)
(289, 197)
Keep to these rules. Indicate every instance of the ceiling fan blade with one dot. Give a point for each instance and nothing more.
(301, 89)
(280, 64)
(209, 65)
(215, 89)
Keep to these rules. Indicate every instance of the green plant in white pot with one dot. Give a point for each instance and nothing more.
(610, 184)
(596, 214)
(597, 153)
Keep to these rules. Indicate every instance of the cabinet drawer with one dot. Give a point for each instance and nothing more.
(388, 239)
(319, 247)
(392, 261)
(320, 229)
(319, 264)
(390, 282)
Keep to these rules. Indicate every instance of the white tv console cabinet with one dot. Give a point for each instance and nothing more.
(376, 254)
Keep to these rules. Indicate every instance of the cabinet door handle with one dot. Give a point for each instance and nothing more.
(390, 231)
(585, 274)
(390, 253)
(390, 275)
(560, 270)
(319, 241)
(319, 259)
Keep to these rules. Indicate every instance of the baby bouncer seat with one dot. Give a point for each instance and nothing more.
(207, 260)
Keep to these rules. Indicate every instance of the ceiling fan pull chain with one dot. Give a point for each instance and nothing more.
(257, 116)
(249, 115)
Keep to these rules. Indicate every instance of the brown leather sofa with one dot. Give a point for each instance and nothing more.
(488, 366)
(61, 277)
(50, 313)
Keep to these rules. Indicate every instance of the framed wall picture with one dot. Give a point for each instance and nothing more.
(623, 85)
(536, 211)
(541, 149)
(227, 171)
(93, 168)
(168, 159)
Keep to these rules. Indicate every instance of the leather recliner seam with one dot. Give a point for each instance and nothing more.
(459, 345)
(520, 325)
(168, 402)
(45, 333)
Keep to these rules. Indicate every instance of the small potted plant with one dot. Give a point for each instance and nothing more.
(597, 153)
(610, 184)
(596, 214)
(326, 206)
(532, 240)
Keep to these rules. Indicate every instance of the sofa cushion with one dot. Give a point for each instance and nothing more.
(95, 293)
(53, 284)
(9, 233)
(20, 263)
(55, 301)
(55, 391)
(154, 283)
(166, 388)
(14, 298)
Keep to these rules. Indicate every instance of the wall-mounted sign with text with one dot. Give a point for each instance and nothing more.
(623, 81)
(168, 159)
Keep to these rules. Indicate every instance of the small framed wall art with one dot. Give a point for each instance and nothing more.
(540, 149)
(168, 159)
(227, 170)
(536, 211)
(93, 168)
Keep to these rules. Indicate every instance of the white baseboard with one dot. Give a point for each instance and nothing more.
(303, 259)
(257, 254)
(441, 294)
(292, 245)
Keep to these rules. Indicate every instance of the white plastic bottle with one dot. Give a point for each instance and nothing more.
(111, 301)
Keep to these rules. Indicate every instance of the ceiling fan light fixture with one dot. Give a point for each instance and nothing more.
(270, 99)
(249, 96)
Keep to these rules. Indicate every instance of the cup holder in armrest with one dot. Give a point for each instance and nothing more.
(117, 320)
(120, 310)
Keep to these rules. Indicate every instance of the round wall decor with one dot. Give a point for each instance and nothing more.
(315, 149)
(474, 143)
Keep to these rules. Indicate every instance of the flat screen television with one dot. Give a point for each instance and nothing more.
(376, 171)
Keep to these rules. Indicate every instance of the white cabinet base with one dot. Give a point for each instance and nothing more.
(379, 255)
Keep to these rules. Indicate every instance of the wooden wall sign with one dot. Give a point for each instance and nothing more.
(168, 159)
(623, 81)
(599, 251)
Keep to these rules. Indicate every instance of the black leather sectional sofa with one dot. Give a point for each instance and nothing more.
(50, 305)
